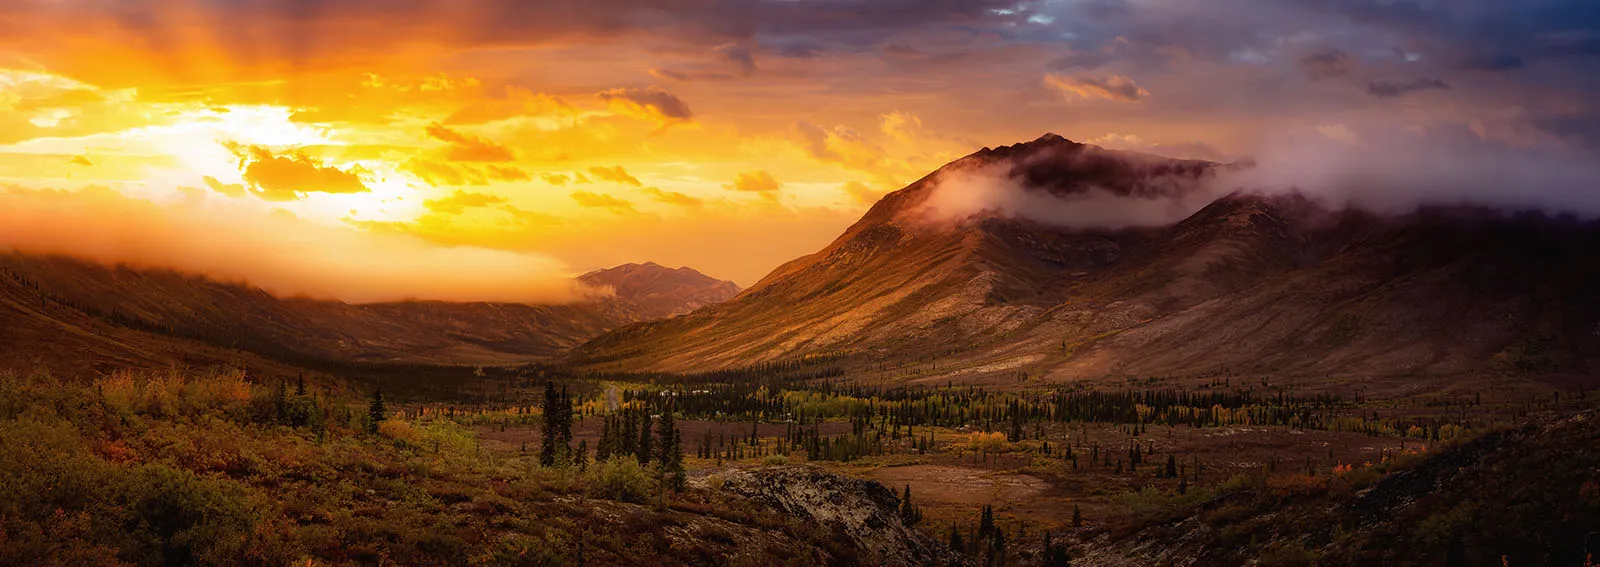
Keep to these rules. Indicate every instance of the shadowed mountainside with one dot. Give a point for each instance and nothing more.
(60, 309)
(1249, 284)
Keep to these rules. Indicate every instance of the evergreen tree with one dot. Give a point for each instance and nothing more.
(550, 435)
(955, 540)
(376, 413)
(564, 424)
(910, 514)
(1054, 556)
(1077, 516)
(645, 449)
(602, 450)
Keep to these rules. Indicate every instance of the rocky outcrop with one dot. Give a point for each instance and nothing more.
(862, 513)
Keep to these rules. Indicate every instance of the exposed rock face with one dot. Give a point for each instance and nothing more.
(862, 513)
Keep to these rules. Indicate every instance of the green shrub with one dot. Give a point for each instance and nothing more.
(621, 478)
(174, 517)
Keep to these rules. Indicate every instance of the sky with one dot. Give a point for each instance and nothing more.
(491, 149)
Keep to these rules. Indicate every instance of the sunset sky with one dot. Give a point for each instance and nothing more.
(376, 149)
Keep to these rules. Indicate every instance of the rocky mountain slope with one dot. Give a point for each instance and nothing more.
(75, 310)
(1248, 284)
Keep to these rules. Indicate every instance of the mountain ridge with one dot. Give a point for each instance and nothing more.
(57, 295)
(1269, 284)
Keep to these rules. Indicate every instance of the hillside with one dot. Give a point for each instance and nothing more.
(76, 314)
(1250, 284)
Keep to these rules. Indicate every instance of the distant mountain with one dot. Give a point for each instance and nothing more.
(662, 292)
(1247, 285)
(72, 313)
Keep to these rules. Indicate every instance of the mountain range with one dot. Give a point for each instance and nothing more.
(1274, 285)
(1250, 284)
(71, 314)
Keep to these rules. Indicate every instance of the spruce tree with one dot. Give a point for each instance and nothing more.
(375, 411)
(645, 448)
(552, 423)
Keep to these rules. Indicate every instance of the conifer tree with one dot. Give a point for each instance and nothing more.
(645, 449)
(375, 411)
(550, 435)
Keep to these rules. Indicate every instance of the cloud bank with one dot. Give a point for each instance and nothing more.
(1378, 168)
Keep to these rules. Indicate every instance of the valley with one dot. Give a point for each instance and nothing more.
(1269, 381)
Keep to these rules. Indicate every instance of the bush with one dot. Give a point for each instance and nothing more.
(400, 431)
(987, 442)
(621, 478)
(174, 517)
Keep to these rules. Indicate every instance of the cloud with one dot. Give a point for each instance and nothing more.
(440, 174)
(861, 193)
(901, 126)
(673, 198)
(758, 182)
(1329, 64)
(238, 241)
(848, 148)
(1182, 150)
(1115, 88)
(460, 201)
(288, 176)
(602, 201)
(469, 148)
(1395, 170)
(555, 179)
(740, 55)
(1384, 89)
(517, 102)
(233, 190)
(615, 174)
(651, 104)
(81, 160)
(962, 193)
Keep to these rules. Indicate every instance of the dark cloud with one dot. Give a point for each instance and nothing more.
(650, 103)
(1329, 64)
(1385, 89)
(740, 55)
(1114, 88)
(800, 50)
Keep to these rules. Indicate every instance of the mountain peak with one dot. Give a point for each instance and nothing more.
(661, 290)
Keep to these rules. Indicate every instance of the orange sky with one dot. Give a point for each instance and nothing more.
(534, 141)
